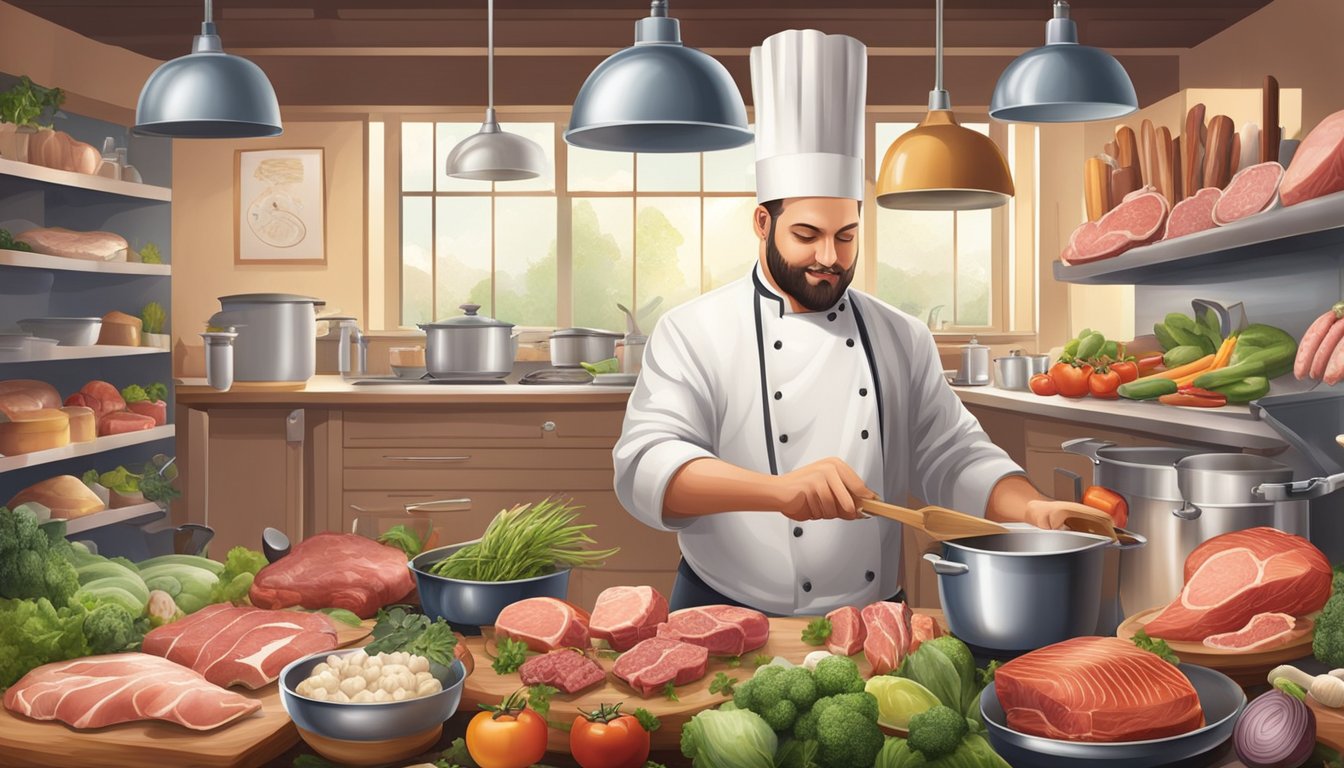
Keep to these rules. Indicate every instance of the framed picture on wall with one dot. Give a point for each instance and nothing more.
(279, 206)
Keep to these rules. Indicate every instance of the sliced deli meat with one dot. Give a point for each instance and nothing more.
(567, 670)
(335, 570)
(1193, 214)
(1096, 689)
(653, 663)
(847, 631)
(1264, 630)
(544, 623)
(1253, 190)
(232, 645)
(623, 616)
(923, 627)
(724, 630)
(90, 246)
(1318, 164)
(156, 410)
(888, 635)
(1232, 577)
(1136, 221)
(20, 395)
(122, 422)
(99, 691)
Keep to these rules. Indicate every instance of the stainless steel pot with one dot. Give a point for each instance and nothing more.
(1022, 590)
(276, 342)
(1039, 363)
(469, 346)
(571, 346)
(1013, 371)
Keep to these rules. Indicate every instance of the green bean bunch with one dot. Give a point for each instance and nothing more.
(524, 542)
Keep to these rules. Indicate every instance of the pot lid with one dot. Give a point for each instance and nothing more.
(598, 332)
(270, 298)
(469, 320)
(974, 343)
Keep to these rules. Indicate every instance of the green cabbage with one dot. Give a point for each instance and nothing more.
(944, 665)
(735, 738)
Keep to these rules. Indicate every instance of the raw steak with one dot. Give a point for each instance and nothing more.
(102, 397)
(923, 627)
(888, 635)
(567, 670)
(335, 570)
(847, 632)
(625, 615)
(241, 646)
(544, 623)
(1193, 214)
(1264, 629)
(156, 410)
(104, 690)
(123, 421)
(1097, 689)
(724, 630)
(1136, 221)
(92, 246)
(1232, 577)
(1318, 164)
(1253, 190)
(653, 663)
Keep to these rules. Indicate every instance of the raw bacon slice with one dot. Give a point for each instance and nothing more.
(651, 665)
(1253, 190)
(847, 631)
(623, 616)
(544, 623)
(1193, 214)
(888, 635)
(725, 630)
(1263, 630)
(1318, 164)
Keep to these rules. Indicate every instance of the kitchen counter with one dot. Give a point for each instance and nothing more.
(335, 391)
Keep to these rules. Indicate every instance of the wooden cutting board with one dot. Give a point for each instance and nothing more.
(1329, 724)
(251, 741)
(485, 686)
(1245, 667)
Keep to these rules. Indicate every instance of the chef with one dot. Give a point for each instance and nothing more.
(767, 409)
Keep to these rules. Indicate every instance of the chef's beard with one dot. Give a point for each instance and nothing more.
(793, 280)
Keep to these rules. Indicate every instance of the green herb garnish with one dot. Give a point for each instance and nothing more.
(648, 720)
(722, 683)
(761, 659)
(818, 631)
(400, 629)
(1159, 647)
(509, 655)
(539, 698)
(670, 691)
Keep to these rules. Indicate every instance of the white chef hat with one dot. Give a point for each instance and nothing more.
(809, 90)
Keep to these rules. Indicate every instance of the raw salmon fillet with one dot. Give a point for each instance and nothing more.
(1097, 689)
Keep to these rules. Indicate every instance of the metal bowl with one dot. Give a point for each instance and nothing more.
(1221, 698)
(379, 721)
(476, 603)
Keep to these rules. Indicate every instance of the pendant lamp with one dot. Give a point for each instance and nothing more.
(208, 94)
(940, 165)
(659, 96)
(1062, 81)
(493, 154)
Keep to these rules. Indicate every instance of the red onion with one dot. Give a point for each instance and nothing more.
(1275, 731)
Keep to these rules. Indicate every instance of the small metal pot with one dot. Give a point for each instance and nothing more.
(476, 603)
(571, 346)
(1022, 590)
(275, 340)
(1013, 371)
(471, 345)
(1039, 363)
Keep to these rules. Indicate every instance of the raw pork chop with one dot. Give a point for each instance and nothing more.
(567, 670)
(847, 632)
(725, 630)
(1253, 190)
(241, 646)
(923, 627)
(1136, 221)
(1097, 689)
(335, 570)
(1263, 630)
(653, 663)
(1318, 164)
(544, 623)
(104, 690)
(888, 640)
(1193, 214)
(1232, 577)
(625, 615)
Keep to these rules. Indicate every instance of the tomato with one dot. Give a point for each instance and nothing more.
(1104, 383)
(1107, 501)
(608, 739)
(1071, 380)
(1043, 385)
(507, 736)
(1128, 370)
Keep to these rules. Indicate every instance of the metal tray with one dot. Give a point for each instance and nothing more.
(1309, 421)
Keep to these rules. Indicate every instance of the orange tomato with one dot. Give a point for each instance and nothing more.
(1108, 501)
(507, 736)
(1071, 380)
(608, 739)
(1128, 370)
(1043, 385)
(1103, 384)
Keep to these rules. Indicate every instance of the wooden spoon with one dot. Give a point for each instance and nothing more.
(938, 522)
(1085, 519)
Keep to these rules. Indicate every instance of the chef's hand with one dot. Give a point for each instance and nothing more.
(1048, 513)
(824, 490)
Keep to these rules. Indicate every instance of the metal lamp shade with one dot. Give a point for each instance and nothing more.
(208, 94)
(942, 166)
(493, 154)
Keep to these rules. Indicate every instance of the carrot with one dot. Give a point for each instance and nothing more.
(1224, 353)
(1199, 366)
(1190, 379)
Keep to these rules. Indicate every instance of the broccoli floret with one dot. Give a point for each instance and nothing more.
(110, 628)
(937, 731)
(33, 562)
(744, 694)
(837, 674)
(863, 703)
(799, 687)
(778, 695)
(780, 716)
(60, 580)
(847, 738)
(1328, 644)
(805, 727)
(768, 671)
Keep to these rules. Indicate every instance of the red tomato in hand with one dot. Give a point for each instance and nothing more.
(1107, 501)
(608, 739)
(511, 737)
(1128, 370)
(1071, 380)
(1043, 385)
(1103, 384)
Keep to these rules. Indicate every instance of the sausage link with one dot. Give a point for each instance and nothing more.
(1311, 342)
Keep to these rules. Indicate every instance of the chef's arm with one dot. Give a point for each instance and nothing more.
(1015, 500)
(824, 489)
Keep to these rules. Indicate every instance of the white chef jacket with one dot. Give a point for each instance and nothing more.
(735, 374)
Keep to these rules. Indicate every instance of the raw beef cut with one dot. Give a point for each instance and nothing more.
(1263, 630)
(1097, 689)
(1253, 190)
(1136, 221)
(1193, 214)
(92, 246)
(335, 570)
(544, 623)
(1232, 577)
(625, 615)
(241, 646)
(120, 688)
(566, 670)
(888, 635)
(1318, 164)
(725, 630)
(923, 627)
(122, 422)
(156, 410)
(102, 397)
(847, 632)
(653, 663)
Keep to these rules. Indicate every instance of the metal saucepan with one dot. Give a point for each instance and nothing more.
(571, 346)
(1022, 590)
(471, 345)
(1013, 371)
(275, 341)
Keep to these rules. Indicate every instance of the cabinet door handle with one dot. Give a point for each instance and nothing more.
(548, 426)
(426, 458)
(464, 505)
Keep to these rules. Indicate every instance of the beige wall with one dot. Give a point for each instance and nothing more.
(204, 224)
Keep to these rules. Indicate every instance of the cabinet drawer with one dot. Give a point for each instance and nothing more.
(523, 482)
(521, 426)
(462, 457)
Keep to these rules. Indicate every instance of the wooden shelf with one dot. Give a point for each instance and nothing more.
(146, 512)
(46, 175)
(76, 450)
(42, 261)
(1311, 225)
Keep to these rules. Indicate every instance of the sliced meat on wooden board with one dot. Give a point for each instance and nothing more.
(1192, 146)
(545, 624)
(888, 635)
(335, 570)
(923, 628)
(1253, 190)
(622, 616)
(1264, 630)
(1218, 152)
(847, 631)
(655, 663)
(1318, 164)
(1246, 666)
(725, 630)
(1193, 214)
(568, 670)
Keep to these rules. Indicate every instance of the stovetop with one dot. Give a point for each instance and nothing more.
(380, 380)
